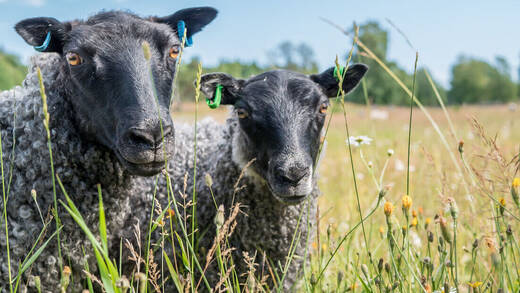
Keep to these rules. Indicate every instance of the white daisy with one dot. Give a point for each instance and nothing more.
(357, 141)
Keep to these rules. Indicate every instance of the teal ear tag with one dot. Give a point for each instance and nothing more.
(216, 99)
(341, 69)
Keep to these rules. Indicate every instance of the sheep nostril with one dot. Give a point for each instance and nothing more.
(140, 137)
(293, 177)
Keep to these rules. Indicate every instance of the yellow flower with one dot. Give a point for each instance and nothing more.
(171, 213)
(475, 284)
(414, 213)
(324, 247)
(502, 201)
(407, 202)
(314, 245)
(388, 208)
(516, 182)
(381, 230)
(414, 222)
(428, 221)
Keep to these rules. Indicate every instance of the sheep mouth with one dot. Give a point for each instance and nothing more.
(141, 169)
(288, 199)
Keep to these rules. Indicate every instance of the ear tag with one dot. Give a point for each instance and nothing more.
(181, 26)
(216, 99)
(341, 69)
(45, 44)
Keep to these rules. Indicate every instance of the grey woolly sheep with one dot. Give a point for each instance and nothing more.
(277, 125)
(106, 128)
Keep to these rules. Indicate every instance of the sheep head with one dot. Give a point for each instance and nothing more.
(119, 94)
(280, 120)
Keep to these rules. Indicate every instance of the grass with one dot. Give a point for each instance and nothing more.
(459, 231)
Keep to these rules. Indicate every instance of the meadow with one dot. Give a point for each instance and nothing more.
(451, 227)
(490, 149)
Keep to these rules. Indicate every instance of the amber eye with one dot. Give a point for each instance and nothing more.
(174, 52)
(74, 59)
(323, 108)
(241, 113)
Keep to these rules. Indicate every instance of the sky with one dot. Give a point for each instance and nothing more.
(439, 30)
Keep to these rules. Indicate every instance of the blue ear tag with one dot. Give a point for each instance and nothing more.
(341, 70)
(45, 44)
(181, 26)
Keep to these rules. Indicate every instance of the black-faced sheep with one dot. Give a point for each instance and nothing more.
(105, 128)
(277, 125)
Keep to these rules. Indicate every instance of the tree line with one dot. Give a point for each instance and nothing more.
(472, 80)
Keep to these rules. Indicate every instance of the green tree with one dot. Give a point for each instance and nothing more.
(12, 71)
(476, 81)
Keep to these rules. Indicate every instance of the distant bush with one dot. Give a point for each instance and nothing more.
(12, 71)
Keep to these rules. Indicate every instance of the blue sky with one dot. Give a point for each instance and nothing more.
(246, 30)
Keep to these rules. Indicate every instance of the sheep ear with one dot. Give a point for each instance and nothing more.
(330, 84)
(45, 34)
(230, 87)
(194, 19)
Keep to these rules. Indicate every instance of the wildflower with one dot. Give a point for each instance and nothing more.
(502, 205)
(414, 222)
(171, 213)
(421, 211)
(390, 152)
(430, 236)
(475, 284)
(33, 194)
(444, 229)
(380, 265)
(370, 164)
(516, 182)
(324, 247)
(357, 141)
(381, 230)
(414, 213)
(65, 278)
(461, 146)
(314, 245)
(406, 203)
(388, 208)
(427, 222)
(451, 206)
(404, 228)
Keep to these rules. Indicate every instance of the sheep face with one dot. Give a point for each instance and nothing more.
(119, 96)
(281, 115)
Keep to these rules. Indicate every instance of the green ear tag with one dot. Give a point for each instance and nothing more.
(341, 69)
(217, 99)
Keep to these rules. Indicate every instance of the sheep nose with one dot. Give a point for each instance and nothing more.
(150, 138)
(292, 175)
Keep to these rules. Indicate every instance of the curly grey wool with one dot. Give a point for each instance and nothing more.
(265, 224)
(80, 164)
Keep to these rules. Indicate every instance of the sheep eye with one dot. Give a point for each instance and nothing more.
(74, 59)
(323, 108)
(174, 52)
(241, 113)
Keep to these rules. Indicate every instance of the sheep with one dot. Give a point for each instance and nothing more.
(106, 128)
(275, 131)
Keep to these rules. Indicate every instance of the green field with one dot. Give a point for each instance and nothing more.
(438, 176)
